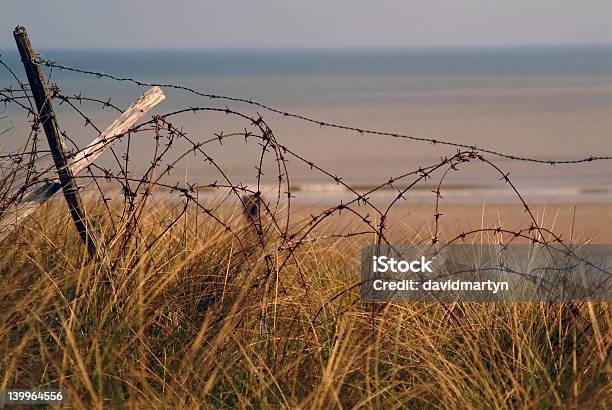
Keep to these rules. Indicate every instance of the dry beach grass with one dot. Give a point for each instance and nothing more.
(193, 322)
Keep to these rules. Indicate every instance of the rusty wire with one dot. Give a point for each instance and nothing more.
(22, 171)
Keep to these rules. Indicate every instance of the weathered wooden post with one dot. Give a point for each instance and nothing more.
(40, 92)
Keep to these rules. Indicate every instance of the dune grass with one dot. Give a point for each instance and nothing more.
(194, 322)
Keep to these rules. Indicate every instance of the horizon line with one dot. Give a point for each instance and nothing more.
(334, 48)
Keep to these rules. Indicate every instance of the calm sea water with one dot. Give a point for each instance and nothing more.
(550, 103)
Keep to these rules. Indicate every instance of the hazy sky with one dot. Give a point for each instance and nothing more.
(311, 23)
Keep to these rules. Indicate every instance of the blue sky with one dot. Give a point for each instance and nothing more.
(307, 24)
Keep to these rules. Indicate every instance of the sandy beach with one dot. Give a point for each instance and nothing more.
(580, 223)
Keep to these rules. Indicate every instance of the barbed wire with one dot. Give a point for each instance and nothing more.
(268, 229)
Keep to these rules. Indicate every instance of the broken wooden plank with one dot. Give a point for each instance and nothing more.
(81, 160)
(119, 127)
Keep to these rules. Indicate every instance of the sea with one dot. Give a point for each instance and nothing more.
(550, 103)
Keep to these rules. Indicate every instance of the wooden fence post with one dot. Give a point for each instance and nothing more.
(40, 92)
